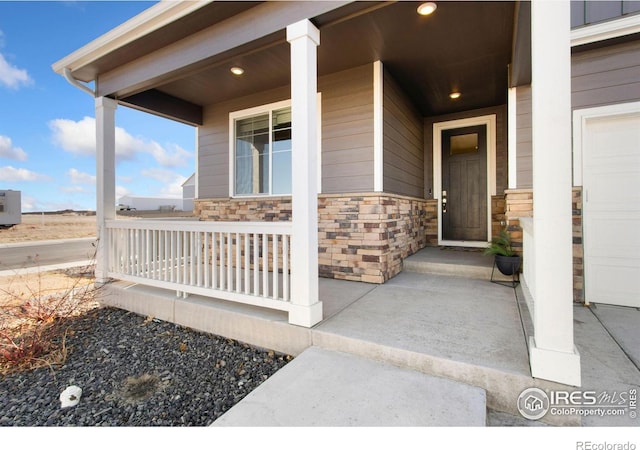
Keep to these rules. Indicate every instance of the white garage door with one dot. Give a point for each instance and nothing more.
(611, 208)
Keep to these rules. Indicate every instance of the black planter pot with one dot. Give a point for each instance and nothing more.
(508, 265)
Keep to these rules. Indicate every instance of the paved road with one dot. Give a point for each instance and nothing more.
(44, 253)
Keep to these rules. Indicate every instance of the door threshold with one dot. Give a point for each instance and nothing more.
(474, 244)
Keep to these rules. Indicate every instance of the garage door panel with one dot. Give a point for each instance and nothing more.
(618, 238)
(611, 208)
(615, 284)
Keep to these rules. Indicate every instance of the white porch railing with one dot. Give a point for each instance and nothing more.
(246, 262)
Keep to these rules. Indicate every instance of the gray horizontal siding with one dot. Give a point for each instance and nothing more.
(347, 134)
(599, 77)
(524, 168)
(347, 130)
(403, 140)
(590, 11)
(606, 75)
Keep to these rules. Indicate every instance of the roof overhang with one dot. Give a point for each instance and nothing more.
(153, 19)
(173, 59)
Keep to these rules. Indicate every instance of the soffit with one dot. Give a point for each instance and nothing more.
(204, 17)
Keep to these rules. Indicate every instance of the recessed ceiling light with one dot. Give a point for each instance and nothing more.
(455, 95)
(237, 70)
(427, 8)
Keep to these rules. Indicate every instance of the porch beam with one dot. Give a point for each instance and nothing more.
(157, 102)
(105, 179)
(553, 354)
(306, 309)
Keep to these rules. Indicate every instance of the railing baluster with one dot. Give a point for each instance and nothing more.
(147, 259)
(130, 252)
(214, 260)
(205, 257)
(229, 262)
(198, 256)
(285, 267)
(136, 267)
(247, 267)
(172, 260)
(165, 256)
(274, 292)
(256, 263)
(185, 260)
(222, 262)
(238, 284)
(265, 265)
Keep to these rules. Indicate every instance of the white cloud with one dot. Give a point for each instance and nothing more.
(7, 150)
(75, 190)
(32, 204)
(80, 138)
(173, 156)
(78, 177)
(124, 178)
(11, 76)
(162, 175)
(172, 181)
(10, 173)
(174, 189)
(121, 191)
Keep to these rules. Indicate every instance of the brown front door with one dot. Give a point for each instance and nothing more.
(464, 184)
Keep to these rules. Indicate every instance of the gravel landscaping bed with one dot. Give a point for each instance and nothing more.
(137, 371)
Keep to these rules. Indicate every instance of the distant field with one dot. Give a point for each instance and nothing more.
(69, 225)
(36, 227)
(16, 287)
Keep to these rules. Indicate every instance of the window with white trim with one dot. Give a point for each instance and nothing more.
(262, 150)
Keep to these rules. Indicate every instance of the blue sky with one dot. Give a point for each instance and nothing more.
(47, 127)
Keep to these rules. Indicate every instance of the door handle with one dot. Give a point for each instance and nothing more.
(444, 201)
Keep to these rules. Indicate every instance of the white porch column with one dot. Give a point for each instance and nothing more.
(512, 105)
(105, 178)
(553, 354)
(306, 310)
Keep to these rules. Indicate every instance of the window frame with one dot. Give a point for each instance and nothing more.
(264, 109)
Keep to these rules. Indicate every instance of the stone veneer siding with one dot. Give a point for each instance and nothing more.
(519, 203)
(361, 237)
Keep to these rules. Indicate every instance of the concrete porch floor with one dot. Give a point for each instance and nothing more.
(422, 342)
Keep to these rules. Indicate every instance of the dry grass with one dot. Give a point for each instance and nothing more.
(34, 305)
(33, 311)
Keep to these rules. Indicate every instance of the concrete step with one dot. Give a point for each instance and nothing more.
(327, 388)
(464, 263)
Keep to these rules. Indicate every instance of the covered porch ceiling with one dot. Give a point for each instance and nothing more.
(463, 46)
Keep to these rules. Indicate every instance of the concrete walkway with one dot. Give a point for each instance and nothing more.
(333, 389)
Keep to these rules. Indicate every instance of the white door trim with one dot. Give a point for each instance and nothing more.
(438, 128)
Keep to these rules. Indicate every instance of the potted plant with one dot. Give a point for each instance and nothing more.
(507, 260)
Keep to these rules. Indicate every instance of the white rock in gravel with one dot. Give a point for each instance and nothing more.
(70, 396)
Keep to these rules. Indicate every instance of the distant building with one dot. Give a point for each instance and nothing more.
(129, 202)
(188, 193)
(10, 208)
